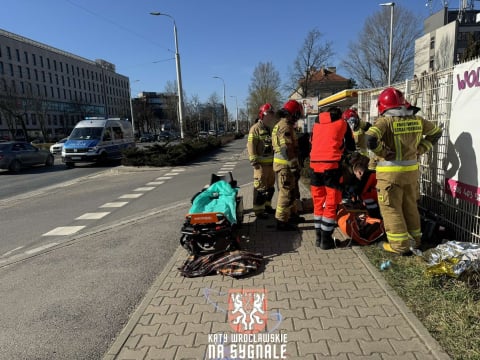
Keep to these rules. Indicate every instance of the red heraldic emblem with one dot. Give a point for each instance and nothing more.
(247, 310)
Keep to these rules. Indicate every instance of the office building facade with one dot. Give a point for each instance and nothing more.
(45, 91)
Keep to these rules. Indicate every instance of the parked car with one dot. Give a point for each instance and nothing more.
(15, 155)
(147, 138)
(202, 134)
(58, 146)
(164, 136)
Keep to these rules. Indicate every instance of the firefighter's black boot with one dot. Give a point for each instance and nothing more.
(326, 240)
(318, 239)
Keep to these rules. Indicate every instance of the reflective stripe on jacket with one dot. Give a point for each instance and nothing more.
(285, 146)
(259, 144)
(398, 140)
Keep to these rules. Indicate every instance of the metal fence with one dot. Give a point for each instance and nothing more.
(432, 92)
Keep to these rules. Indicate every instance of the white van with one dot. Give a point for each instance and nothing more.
(97, 140)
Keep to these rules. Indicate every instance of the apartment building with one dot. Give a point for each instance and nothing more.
(45, 91)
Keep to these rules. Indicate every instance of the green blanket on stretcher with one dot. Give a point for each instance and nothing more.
(218, 197)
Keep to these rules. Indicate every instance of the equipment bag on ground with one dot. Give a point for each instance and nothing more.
(360, 227)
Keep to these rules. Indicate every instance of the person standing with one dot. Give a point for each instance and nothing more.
(359, 127)
(331, 138)
(398, 137)
(260, 155)
(286, 165)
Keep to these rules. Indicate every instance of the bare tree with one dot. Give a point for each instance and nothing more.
(367, 60)
(264, 87)
(13, 108)
(313, 55)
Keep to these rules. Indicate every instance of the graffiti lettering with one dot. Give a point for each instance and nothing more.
(470, 79)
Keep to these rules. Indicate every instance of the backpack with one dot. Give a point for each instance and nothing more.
(360, 227)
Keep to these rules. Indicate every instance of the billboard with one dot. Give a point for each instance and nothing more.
(461, 175)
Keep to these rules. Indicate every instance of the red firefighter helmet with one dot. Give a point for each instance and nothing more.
(390, 98)
(351, 117)
(264, 110)
(294, 108)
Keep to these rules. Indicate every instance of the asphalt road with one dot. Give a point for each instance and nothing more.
(68, 296)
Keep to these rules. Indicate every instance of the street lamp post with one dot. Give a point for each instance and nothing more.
(236, 107)
(179, 73)
(131, 107)
(392, 5)
(224, 104)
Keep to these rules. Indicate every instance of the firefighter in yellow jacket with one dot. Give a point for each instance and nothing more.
(286, 165)
(398, 137)
(260, 155)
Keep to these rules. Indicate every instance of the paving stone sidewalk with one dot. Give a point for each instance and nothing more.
(327, 304)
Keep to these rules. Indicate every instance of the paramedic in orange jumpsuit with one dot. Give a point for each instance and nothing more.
(331, 137)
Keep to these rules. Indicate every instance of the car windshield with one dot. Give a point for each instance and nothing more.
(86, 133)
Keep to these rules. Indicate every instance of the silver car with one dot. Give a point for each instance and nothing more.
(15, 155)
(58, 146)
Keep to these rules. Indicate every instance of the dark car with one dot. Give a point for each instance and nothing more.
(147, 138)
(15, 155)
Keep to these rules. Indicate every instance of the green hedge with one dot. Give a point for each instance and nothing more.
(171, 154)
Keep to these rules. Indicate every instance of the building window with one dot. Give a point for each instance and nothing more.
(432, 43)
(28, 73)
(55, 65)
(17, 52)
(34, 58)
(50, 78)
(9, 53)
(41, 61)
(22, 87)
(26, 57)
(48, 63)
(431, 63)
(1, 68)
(20, 75)
(43, 76)
(34, 119)
(61, 66)
(36, 74)
(11, 69)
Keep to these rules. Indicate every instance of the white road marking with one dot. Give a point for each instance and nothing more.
(40, 248)
(92, 216)
(171, 173)
(155, 183)
(12, 251)
(64, 230)
(164, 178)
(178, 170)
(114, 204)
(130, 196)
(221, 172)
(144, 188)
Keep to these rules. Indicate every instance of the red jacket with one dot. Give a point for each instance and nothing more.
(328, 142)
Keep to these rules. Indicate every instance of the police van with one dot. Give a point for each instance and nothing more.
(97, 140)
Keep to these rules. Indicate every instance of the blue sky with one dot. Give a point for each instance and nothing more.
(225, 38)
